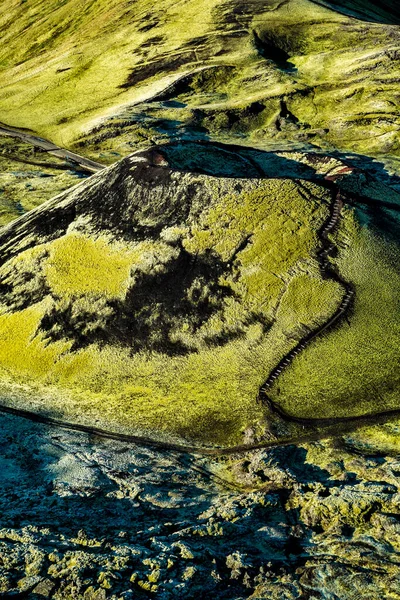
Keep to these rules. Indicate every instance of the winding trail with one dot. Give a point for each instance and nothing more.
(83, 163)
(334, 429)
(328, 272)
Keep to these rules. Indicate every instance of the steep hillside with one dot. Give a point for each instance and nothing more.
(199, 299)
(157, 300)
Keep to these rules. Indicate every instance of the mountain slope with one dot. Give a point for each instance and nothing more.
(164, 292)
(155, 299)
(113, 75)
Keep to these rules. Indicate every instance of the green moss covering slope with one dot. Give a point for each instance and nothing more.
(163, 301)
(110, 76)
(355, 369)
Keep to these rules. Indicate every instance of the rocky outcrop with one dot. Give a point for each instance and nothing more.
(105, 520)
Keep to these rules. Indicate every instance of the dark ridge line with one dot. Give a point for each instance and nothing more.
(231, 149)
(74, 161)
(327, 181)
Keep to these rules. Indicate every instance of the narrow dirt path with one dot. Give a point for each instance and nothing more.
(332, 427)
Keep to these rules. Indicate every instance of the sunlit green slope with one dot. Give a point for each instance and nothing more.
(104, 72)
(157, 301)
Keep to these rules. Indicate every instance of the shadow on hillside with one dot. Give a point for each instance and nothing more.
(375, 11)
(370, 188)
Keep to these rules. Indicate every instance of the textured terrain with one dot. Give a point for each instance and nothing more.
(81, 518)
(161, 291)
(215, 310)
(29, 177)
(156, 301)
(117, 74)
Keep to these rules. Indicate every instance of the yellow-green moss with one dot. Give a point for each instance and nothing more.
(282, 229)
(305, 297)
(208, 393)
(383, 438)
(23, 354)
(66, 62)
(202, 395)
(63, 68)
(356, 368)
(79, 265)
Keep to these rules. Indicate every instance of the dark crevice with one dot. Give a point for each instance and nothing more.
(268, 48)
(285, 113)
(165, 64)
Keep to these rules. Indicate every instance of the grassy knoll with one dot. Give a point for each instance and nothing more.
(354, 369)
(171, 335)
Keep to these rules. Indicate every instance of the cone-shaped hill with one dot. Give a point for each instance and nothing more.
(156, 301)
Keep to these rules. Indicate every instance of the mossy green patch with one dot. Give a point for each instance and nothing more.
(304, 297)
(255, 220)
(22, 351)
(355, 369)
(378, 439)
(68, 63)
(78, 266)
